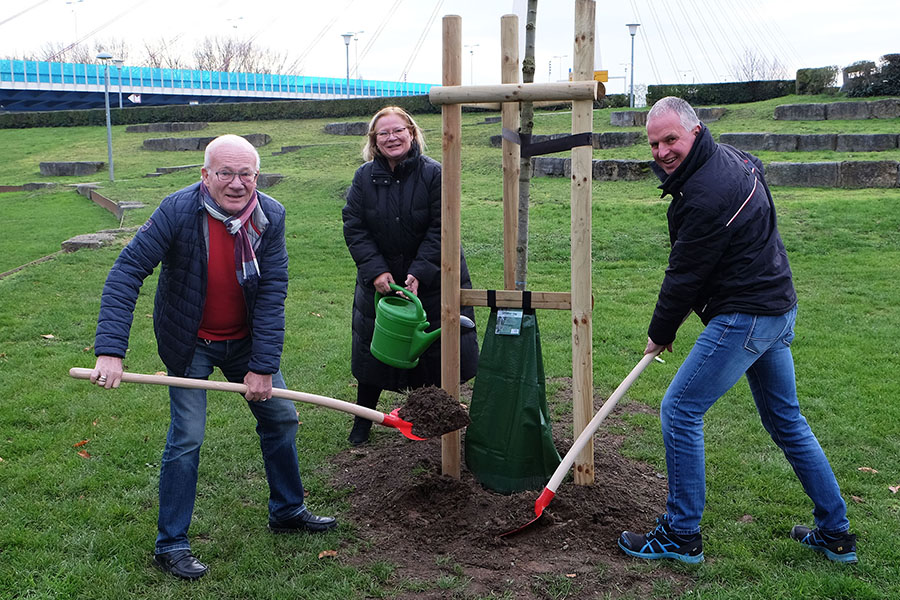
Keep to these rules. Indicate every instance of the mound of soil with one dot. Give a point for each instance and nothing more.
(433, 412)
(431, 526)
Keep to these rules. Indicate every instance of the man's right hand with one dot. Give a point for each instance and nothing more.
(654, 348)
(107, 371)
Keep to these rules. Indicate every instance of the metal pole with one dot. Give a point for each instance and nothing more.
(119, 71)
(347, 37)
(632, 29)
(108, 124)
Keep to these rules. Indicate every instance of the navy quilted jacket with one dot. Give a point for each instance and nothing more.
(727, 255)
(176, 235)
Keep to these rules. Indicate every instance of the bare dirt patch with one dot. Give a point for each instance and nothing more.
(432, 527)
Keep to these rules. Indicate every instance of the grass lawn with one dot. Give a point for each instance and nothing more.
(83, 527)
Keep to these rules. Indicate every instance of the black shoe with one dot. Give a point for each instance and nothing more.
(359, 435)
(662, 542)
(837, 548)
(304, 522)
(180, 563)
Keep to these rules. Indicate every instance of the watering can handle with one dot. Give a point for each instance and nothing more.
(409, 295)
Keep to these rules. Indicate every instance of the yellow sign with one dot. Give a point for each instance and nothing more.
(601, 76)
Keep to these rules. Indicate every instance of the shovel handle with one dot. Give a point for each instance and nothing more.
(591, 428)
(240, 388)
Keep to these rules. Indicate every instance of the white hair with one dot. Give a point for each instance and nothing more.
(679, 106)
(228, 139)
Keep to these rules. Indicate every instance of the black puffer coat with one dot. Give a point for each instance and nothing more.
(392, 222)
(727, 255)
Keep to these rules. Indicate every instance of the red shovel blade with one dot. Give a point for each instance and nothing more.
(539, 505)
(405, 427)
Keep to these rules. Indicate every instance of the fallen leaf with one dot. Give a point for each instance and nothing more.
(867, 470)
(315, 314)
(746, 519)
(160, 373)
(858, 500)
(94, 422)
(327, 553)
(83, 454)
(81, 443)
(2, 354)
(1, 459)
(87, 348)
(48, 336)
(570, 575)
(894, 488)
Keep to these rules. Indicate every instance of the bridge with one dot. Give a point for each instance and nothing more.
(27, 85)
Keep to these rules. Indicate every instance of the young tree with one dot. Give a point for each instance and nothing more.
(753, 67)
(526, 126)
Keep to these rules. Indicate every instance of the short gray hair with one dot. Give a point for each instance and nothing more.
(679, 106)
(229, 139)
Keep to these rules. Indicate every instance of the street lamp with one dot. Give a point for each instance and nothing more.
(105, 56)
(471, 48)
(119, 63)
(632, 29)
(560, 76)
(347, 37)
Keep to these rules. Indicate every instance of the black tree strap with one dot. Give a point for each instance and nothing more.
(550, 146)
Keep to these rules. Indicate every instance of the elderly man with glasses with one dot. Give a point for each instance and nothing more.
(219, 303)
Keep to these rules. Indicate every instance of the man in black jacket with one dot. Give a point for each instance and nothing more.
(728, 264)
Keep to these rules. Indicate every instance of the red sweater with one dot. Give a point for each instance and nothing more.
(225, 312)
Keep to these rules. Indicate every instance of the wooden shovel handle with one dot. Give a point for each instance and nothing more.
(240, 388)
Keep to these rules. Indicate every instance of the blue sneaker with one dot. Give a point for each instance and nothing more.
(663, 543)
(838, 548)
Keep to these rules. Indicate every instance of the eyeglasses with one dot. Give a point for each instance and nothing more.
(228, 176)
(387, 133)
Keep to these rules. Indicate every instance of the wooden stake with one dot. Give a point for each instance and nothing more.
(450, 235)
(582, 331)
(515, 92)
(509, 69)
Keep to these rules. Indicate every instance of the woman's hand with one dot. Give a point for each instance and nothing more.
(383, 282)
(412, 284)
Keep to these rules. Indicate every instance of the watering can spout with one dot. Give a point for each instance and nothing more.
(421, 341)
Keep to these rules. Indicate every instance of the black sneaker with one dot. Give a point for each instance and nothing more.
(303, 522)
(663, 543)
(838, 548)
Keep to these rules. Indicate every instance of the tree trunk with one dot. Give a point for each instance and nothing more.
(526, 125)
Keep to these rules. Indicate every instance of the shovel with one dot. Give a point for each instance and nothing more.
(388, 420)
(550, 490)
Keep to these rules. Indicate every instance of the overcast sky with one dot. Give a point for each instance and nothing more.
(678, 41)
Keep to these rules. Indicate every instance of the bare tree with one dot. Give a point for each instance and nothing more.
(162, 54)
(63, 52)
(232, 54)
(526, 126)
(753, 67)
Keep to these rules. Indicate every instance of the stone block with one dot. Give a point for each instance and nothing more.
(800, 112)
(616, 139)
(869, 174)
(84, 189)
(866, 142)
(710, 113)
(68, 168)
(189, 144)
(267, 180)
(633, 170)
(744, 141)
(628, 118)
(166, 127)
(350, 128)
(811, 142)
(781, 142)
(87, 240)
(551, 166)
(37, 185)
(847, 110)
(257, 139)
(888, 108)
(605, 170)
(489, 120)
(816, 174)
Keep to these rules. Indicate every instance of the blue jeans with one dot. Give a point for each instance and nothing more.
(730, 346)
(276, 425)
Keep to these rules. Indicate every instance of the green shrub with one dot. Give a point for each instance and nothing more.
(816, 81)
(705, 94)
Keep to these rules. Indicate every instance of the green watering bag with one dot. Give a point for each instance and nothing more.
(509, 444)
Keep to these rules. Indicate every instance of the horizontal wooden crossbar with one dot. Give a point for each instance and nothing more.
(513, 299)
(515, 92)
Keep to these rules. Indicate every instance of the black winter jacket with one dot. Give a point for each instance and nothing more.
(176, 235)
(392, 222)
(727, 255)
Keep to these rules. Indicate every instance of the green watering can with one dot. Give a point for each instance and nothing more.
(400, 339)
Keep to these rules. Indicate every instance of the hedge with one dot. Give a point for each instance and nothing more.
(705, 94)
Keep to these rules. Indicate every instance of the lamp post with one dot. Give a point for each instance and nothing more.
(471, 48)
(561, 57)
(347, 37)
(632, 29)
(105, 56)
(119, 63)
